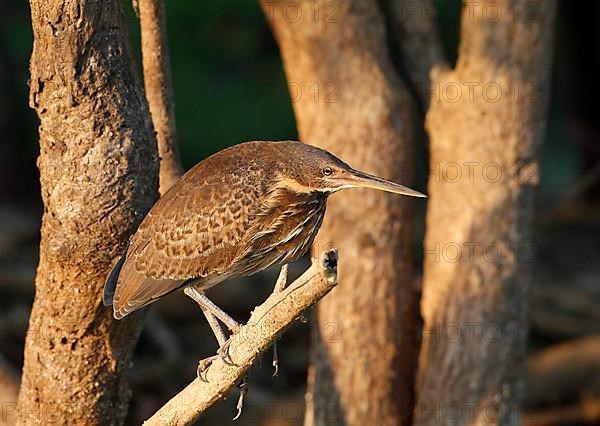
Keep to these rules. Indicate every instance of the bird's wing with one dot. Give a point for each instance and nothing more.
(196, 230)
(195, 235)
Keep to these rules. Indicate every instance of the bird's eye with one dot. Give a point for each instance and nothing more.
(327, 171)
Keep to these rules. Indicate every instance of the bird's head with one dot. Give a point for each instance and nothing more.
(312, 169)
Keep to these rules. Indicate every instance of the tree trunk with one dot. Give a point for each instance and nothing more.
(348, 100)
(486, 124)
(98, 170)
(159, 88)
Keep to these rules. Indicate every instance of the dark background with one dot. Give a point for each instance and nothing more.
(230, 87)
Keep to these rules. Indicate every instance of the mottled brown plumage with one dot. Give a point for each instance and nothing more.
(238, 212)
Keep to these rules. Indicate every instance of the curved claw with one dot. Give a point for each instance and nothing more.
(203, 365)
(223, 352)
(275, 360)
(243, 386)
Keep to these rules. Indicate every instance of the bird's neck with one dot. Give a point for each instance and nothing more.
(293, 197)
(286, 225)
(285, 202)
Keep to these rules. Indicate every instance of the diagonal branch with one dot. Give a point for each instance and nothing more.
(159, 88)
(266, 324)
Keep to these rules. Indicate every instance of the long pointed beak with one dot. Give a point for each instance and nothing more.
(358, 179)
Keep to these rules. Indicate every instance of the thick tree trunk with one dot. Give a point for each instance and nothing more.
(98, 170)
(486, 124)
(159, 88)
(348, 100)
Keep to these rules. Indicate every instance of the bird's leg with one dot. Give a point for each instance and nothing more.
(213, 313)
(279, 286)
(213, 321)
(206, 303)
(203, 364)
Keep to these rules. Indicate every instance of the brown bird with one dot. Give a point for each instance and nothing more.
(242, 210)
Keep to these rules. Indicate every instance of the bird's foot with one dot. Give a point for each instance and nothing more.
(235, 328)
(275, 360)
(203, 365)
(223, 352)
(243, 386)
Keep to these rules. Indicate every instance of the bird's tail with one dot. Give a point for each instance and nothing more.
(111, 282)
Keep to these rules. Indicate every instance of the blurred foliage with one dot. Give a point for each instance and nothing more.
(228, 79)
(17, 121)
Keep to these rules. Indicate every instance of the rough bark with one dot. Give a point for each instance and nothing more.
(98, 171)
(348, 100)
(159, 88)
(267, 323)
(486, 123)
